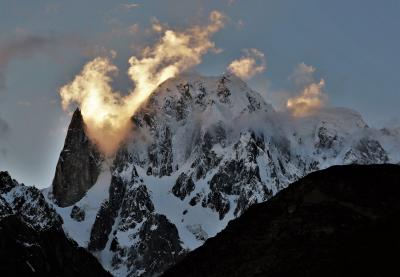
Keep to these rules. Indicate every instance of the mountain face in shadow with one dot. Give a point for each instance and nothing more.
(342, 221)
(32, 241)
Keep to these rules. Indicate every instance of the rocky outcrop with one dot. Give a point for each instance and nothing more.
(107, 214)
(77, 213)
(157, 248)
(78, 166)
(343, 221)
(28, 203)
(367, 151)
(128, 228)
(184, 185)
(32, 241)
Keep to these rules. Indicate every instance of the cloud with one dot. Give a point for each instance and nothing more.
(133, 29)
(106, 112)
(302, 75)
(311, 97)
(24, 46)
(4, 128)
(156, 26)
(129, 6)
(251, 63)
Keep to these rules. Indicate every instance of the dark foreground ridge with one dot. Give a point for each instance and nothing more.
(342, 221)
(26, 252)
(32, 241)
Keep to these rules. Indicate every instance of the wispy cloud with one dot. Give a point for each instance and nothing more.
(311, 97)
(251, 63)
(129, 6)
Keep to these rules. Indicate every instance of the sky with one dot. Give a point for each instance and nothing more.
(351, 44)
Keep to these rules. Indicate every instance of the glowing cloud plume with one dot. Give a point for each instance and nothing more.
(252, 63)
(106, 112)
(311, 98)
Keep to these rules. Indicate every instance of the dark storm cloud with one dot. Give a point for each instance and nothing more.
(26, 46)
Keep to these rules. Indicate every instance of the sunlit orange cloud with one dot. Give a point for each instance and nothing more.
(106, 112)
(252, 63)
(309, 101)
(311, 98)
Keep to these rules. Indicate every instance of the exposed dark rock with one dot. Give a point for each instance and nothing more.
(196, 199)
(105, 218)
(77, 213)
(158, 246)
(136, 206)
(122, 160)
(5, 208)
(160, 154)
(6, 182)
(367, 151)
(223, 91)
(207, 159)
(239, 176)
(184, 185)
(254, 104)
(29, 203)
(78, 166)
(325, 137)
(218, 201)
(343, 221)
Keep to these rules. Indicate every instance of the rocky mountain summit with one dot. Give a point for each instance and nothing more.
(78, 166)
(32, 241)
(342, 221)
(204, 150)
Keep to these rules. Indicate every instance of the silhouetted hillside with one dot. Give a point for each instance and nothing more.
(342, 221)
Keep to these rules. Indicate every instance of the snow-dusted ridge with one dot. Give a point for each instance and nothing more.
(203, 150)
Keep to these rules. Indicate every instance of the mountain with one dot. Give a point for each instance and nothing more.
(341, 221)
(78, 166)
(32, 241)
(203, 150)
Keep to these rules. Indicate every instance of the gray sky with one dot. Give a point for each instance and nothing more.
(353, 44)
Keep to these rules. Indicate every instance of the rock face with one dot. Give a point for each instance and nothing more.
(28, 203)
(77, 213)
(342, 221)
(139, 240)
(32, 241)
(78, 166)
(204, 150)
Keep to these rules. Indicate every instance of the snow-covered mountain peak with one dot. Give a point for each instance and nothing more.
(203, 150)
(222, 98)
